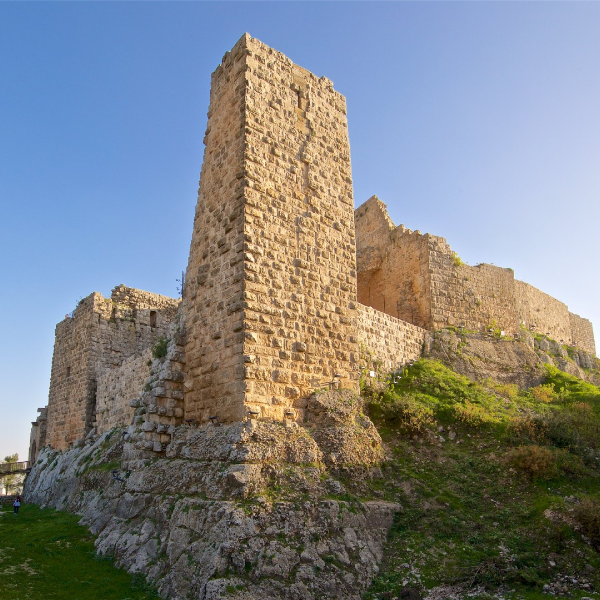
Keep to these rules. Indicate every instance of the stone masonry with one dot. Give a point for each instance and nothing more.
(99, 336)
(270, 297)
(278, 262)
(418, 278)
(37, 438)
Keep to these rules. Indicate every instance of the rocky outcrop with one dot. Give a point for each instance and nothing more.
(518, 360)
(246, 510)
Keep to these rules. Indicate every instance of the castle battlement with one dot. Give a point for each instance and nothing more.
(420, 280)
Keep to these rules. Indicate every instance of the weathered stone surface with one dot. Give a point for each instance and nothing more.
(271, 273)
(99, 361)
(418, 278)
(183, 521)
(517, 361)
(480, 357)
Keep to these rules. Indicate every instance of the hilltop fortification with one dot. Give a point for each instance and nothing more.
(288, 289)
(211, 443)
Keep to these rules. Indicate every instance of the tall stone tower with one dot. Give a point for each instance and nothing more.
(270, 297)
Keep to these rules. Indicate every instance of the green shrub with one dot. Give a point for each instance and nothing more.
(536, 462)
(544, 393)
(569, 464)
(507, 390)
(472, 414)
(159, 350)
(525, 429)
(575, 427)
(407, 413)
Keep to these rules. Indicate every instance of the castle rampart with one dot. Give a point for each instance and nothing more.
(582, 333)
(278, 264)
(420, 279)
(116, 388)
(99, 336)
(387, 340)
(37, 437)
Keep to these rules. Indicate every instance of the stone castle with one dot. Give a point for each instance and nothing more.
(287, 286)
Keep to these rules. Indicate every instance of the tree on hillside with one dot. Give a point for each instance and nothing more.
(13, 483)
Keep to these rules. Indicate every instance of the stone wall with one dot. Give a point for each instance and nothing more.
(72, 381)
(213, 295)
(582, 333)
(37, 438)
(393, 265)
(116, 387)
(388, 340)
(476, 298)
(419, 279)
(271, 281)
(99, 336)
(542, 313)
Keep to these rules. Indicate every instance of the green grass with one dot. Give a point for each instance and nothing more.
(45, 554)
(496, 507)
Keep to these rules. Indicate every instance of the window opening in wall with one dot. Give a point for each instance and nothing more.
(152, 318)
(113, 314)
(68, 371)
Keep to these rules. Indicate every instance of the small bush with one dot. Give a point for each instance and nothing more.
(575, 427)
(472, 415)
(159, 350)
(544, 393)
(525, 429)
(407, 413)
(507, 390)
(587, 515)
(536, 462)
(569, 465)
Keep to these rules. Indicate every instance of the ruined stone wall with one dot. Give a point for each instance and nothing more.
(37, 438)
(476, 298)
(127, 323)
(393, 265)
(419, 279)
(582, 333)
(387, 339)
(72, 380)
(271, 282)
(100, 335)
(541, 313)
(116, 387)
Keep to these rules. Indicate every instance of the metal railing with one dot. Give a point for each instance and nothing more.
(17, 467)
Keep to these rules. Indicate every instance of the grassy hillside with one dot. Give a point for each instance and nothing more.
(499, 491)
(499, 488)
(45, 554)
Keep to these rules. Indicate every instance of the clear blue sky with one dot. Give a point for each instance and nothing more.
(475, 121)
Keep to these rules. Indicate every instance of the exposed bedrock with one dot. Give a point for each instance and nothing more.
(507, 360)
(250, 510)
